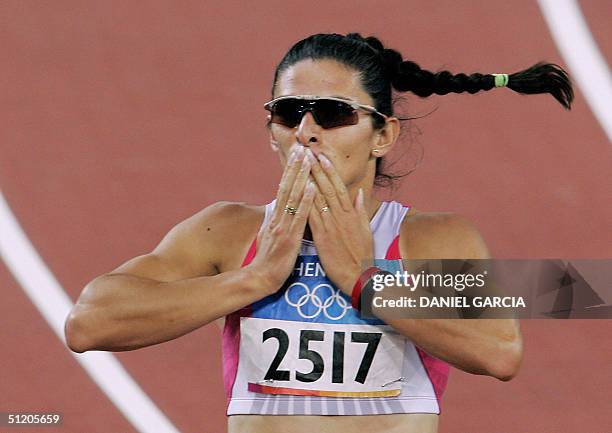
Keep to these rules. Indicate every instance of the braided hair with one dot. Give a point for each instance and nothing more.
(383, 70)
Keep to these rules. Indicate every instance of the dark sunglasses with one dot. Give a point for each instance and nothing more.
(328, 112)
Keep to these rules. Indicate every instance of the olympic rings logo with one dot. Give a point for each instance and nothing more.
(321, 305)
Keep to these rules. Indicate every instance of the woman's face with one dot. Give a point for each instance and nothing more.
(349, 148)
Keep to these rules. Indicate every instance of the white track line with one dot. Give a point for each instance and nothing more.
(54, 304)
(588, 66)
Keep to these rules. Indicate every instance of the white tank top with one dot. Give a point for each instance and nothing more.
(306, 351)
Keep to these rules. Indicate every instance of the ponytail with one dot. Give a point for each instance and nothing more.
(407, 76)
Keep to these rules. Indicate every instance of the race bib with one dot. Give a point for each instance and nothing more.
(339, 360)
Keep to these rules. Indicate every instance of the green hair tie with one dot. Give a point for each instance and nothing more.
(501, 80)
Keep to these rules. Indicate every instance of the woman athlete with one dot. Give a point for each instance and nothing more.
(297, 357)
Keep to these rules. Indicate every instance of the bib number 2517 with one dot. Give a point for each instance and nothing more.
(348, 360)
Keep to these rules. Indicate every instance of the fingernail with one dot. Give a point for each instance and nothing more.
(324, 161)
(292, 156)
(299, 152)
(313, 158)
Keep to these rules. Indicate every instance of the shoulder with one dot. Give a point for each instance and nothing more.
(214, 235)
(440, 235)
(226, 214)
(221, 218)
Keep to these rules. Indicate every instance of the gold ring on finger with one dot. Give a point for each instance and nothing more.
(324, 209)
(290, 210)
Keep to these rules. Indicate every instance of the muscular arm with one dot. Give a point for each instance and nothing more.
(485, 346)
(172, 290)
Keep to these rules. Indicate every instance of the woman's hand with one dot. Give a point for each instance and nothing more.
(279, 241)
(340, 229)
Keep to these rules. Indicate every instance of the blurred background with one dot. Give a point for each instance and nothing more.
(120, 119)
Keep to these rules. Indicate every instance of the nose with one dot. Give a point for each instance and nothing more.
(308, 131)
